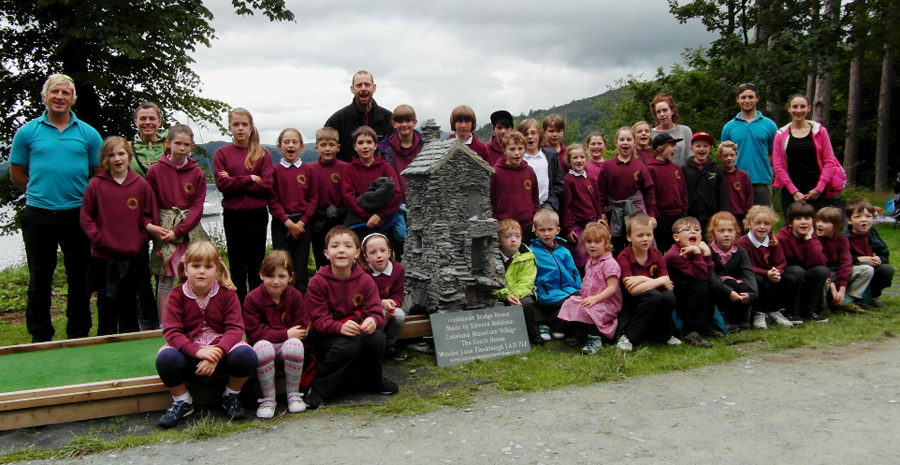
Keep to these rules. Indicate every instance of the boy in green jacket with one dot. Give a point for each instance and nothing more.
(521, 271)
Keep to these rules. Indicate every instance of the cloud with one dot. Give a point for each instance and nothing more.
(519, 56)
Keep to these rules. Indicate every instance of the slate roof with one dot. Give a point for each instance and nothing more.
(435, 154)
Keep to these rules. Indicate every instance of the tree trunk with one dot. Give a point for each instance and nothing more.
(884, 121)
(851, 146)
(825, 75)
(813, 66)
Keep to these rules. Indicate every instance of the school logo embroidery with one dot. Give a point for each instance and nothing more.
(528, 184)
(677, 174)
(766, 258)
(335, 178)
(637, 175)
(387, 290)
(189, 187)
(132, 203)
(358, 299)
(590, 188)
(653, 271)
(736, 185)
(301, 178)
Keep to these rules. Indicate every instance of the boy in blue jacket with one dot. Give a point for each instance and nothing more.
(557, 277)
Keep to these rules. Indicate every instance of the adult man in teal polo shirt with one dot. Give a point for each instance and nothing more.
(753, 133)
(51, 161)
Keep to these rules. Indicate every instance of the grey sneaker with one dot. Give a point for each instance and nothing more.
(780, 320)
(545, 332)
(624, 344)
(759, 320)
(592, 346)
(673, 341)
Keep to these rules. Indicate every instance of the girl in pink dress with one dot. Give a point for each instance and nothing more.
(593, 313)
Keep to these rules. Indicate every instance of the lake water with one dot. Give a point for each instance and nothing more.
(12, 249)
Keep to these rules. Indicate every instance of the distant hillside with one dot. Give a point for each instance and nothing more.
(579, 114)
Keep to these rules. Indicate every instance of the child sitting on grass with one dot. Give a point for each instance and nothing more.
(690, 266)
(803, 254)
(521, 271)
(557, 277)
(867, 249)
(733, 286)
(846, 283)
(592, 315)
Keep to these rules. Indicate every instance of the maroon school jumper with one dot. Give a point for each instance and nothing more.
(669, 187)
(329, 176)
(740, 191)
(294, 191)
(239, 192)
(115, 216)
(495, 151)
(357, 179)
(837, 255)
(183, 320)
(696, 267)
(561, 155)
(179, 187)
(391, 287)
(621, 180)
(764, 258)
(644, 155)
(264, 320)
(654, 267)
(514, 193)
(800, 252)
(593, 169)
(331, 300)
(578, 205)
(860, 246)
(404, 156)
(476, 146)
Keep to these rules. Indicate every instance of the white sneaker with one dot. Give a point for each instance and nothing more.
(759, 320)
(592, 346)
(780, 320)
(266, 408)
(673, 341)
(295, 403)
(624, 344)
(558, 335)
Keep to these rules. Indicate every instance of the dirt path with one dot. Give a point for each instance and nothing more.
(804, 406)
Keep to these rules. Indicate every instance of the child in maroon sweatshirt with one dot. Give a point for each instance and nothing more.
(737, 181)
(578, 205)
(292, 203)
(514, 189)
(359, 175)
(846, 283)
(180, 188)
(502, 123)
(690, 268)
(867, 249)
(346, 313)
(389, 277)
(669, 187)
(117, 208)
(462, 121)
(803, 254)
(328, 172)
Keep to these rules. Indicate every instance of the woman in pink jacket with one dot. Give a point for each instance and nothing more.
(803, 160)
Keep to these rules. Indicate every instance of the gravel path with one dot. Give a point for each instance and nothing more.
(835, 405)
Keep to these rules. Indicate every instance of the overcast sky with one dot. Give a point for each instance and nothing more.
(519, 55)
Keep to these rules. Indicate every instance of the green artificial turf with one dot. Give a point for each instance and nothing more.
(77, 365)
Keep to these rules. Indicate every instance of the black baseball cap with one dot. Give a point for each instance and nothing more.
(503, 117)
(662, 139)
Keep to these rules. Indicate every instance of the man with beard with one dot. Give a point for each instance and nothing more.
(362, 112)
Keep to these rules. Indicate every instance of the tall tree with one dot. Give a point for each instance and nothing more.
(118, 52)
(884, 120)
(827, 38)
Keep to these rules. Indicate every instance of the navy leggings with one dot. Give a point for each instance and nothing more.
(175, 368)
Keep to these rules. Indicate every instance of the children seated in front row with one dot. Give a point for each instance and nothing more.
(513, 187)
(733, 285)
(521, 271)
(776, 289)
(705, 181)
(578, 206)
(557, 277)
(846, 283)
(867, 249)
(346, 312)
(593, 314)
(669, 187)
(690, 266)
(276, 323)
(204, 330)
(648, 301)
(389, 277)
(804, 258)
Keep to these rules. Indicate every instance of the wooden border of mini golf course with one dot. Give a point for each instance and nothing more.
(37, 407)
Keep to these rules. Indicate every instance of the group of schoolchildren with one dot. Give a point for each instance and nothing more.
(668, 284)
(332, 331)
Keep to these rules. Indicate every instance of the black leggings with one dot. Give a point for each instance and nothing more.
(175, 368)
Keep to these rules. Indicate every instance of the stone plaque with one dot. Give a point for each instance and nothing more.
(460, 337)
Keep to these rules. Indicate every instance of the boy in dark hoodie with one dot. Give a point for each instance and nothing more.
(707, 193)
(345, 309)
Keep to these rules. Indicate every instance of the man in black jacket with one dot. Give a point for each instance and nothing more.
(362, 112)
